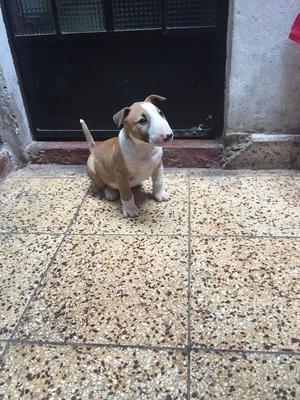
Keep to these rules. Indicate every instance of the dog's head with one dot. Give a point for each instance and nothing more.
(144, 121)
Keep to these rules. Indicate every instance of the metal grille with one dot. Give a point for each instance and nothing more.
(81, 16)
(137, 14)
(191, 13)
(32, 17)
(38, 17)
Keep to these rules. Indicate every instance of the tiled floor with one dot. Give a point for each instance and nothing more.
(198, 298)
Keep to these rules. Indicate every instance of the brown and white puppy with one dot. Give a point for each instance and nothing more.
(122, 163)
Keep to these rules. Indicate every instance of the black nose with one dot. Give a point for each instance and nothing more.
(169, 137)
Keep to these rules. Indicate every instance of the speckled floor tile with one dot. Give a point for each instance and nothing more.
(244, 205)
(205, 172)
(23, 258)
(296, 178)
(48, 372)
(98, 215)
(124, 290)
(245, 293)
(2, 347)
(237, 376)
(49, 171)
(40, 205)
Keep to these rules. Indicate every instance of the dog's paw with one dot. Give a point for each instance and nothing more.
(162, 195)
(131, 212)
(129, 208)
(110, 194)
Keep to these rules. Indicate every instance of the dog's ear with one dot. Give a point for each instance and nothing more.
(119, 117)
(153, 98)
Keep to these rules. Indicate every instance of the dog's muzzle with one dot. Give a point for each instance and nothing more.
(169, 137)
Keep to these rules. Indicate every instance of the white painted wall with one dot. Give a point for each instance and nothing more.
(264, 68)
(14, 127)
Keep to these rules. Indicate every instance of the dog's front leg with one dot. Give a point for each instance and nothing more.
(159, 192)
(127, 198)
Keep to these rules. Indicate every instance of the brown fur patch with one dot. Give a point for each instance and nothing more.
(131, 125)
(110, 168)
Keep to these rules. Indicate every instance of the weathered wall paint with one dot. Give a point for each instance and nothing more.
(14, 127)
(264, 68)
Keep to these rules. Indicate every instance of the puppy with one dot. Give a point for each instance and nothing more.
(121, 163)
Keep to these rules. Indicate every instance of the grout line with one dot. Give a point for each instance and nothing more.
(243, 236)
(77, 211)
(44, 273)
(5, 351)
(139, 234)
(94, 345)
(79, 174)
(240, 173)
(150, 234)
(43, 177)
(244, 351)
(94, 234)
(32, 342)
(31, 233)
(189, 294)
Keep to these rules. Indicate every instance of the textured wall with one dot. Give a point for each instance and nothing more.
(14, 128)
(264, 69)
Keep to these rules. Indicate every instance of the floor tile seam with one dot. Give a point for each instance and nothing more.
(80, 172)
(3, 354)
(40, 342)
(197, 349)
(194, 349)
(14, 232)
(238, 172)
(203, 236)
(130, 234)
(171, 180)
(39, 284)
(71, 222)
(91, 234)
(258, 295)
(21, 178)
(188, 384)
(199, 180)
(44, 273)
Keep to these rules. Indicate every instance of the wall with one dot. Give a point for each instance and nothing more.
(14, 127)
(263, 85)
(264, 68)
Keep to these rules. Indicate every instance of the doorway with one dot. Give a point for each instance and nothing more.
(90, 58)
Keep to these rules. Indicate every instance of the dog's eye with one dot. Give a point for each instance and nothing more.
(142, 120)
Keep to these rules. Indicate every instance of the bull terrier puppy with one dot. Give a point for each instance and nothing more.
(121, 163)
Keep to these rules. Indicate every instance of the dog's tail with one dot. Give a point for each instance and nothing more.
(88, 135)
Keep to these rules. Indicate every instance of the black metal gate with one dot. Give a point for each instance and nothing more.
(89, 58)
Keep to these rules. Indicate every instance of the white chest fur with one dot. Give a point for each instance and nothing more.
(141, 159)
